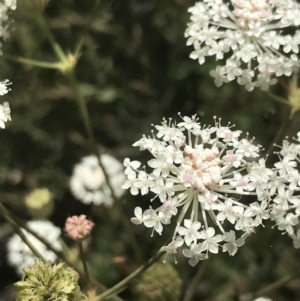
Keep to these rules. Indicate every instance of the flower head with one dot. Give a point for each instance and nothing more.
(78, 227)
(88, 182)
(249, 36)
(199, 173)
(285, 184)
(44, 282)
(18, 253)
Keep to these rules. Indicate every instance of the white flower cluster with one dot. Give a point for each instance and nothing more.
(285, 209)
(204, 171)
(249, 35)
(5, 7)
(18, 253)
(88, 182)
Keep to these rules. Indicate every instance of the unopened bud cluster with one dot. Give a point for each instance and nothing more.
(78, 227)
(44, 282)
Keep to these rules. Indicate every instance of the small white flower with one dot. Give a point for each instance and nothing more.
(131, 166)
(190, 231)
(3, 87)
(210, 240)
(195, 254)
(139, 219)
(232, 244)
(154, 220)
(18, 253)
(171, 248)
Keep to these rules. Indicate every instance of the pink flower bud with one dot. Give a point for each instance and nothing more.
(78, 227)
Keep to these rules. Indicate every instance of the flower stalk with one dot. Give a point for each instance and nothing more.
(19, 232)
(122, 284)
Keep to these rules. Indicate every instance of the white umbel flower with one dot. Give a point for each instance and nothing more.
(199, 174)
(88, 183)
(285, 206)
(249, 36)
(18, 253)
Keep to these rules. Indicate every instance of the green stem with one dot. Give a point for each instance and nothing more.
(86, 120)
(281, 132)
(86, 30)
(30, 62)
(55, 46)
(128, 228)
(274, 286)
(82, 107)
(86, 271)
(121, 285)
(18, 230)
(279, 99)
(194, 284)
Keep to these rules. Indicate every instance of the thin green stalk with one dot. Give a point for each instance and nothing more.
(281, 132)
(194, 284)
(122, 284)
(56, 47)
(274, 286)
(86, 30)
(30, 62)
(279, 99)
(86, 120)
(82, 106)
(86, 271)
(18, 231)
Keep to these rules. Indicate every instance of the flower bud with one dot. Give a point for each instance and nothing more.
(32, 6)
(78, 227)
(39, 203)
(160, 282)
(44, 282)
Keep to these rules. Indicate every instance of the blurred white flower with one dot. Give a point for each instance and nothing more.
(5, 7)
(249, 35)
(88, 183)
(4, 114)
(262, 299)
(18, 253)
(199, 174)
